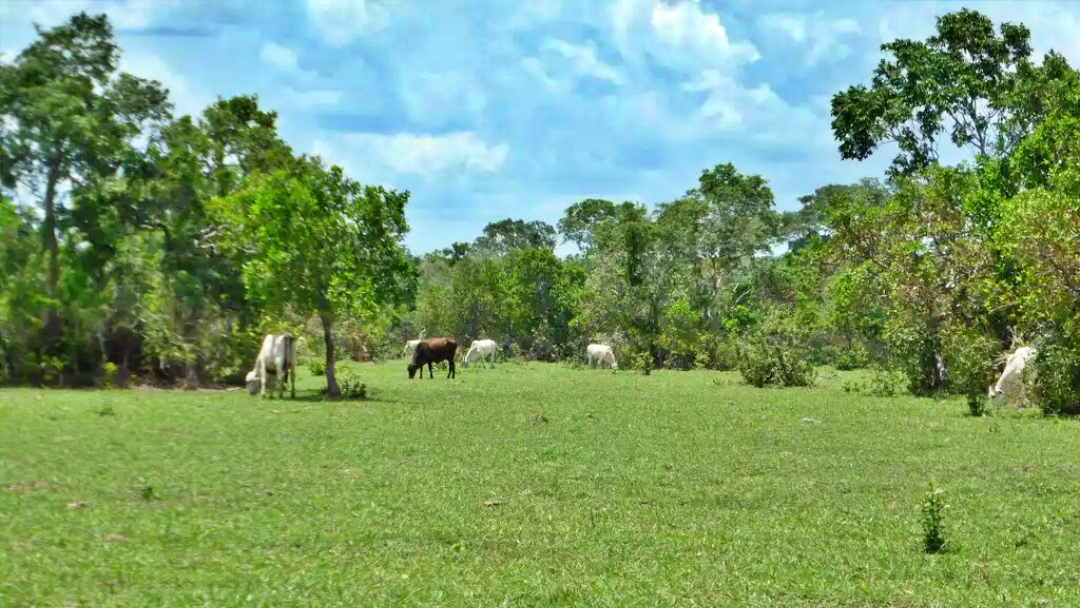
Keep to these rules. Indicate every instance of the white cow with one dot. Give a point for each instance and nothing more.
(277, 356)
(1010, 386)
(410, 345)
(602, 353)
(480, 349)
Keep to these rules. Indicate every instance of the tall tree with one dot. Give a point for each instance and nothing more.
(322, 243)
(499, 238)
(960, 80)
(68, 116)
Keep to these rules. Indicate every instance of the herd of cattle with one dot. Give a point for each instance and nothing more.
(277, 357)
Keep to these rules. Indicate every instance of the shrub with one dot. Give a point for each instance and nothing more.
(108, 379)
(1057, 378)
(970, 356)
(776, 359)
(316, 367)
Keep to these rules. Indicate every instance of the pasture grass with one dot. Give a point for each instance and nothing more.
(674, 489)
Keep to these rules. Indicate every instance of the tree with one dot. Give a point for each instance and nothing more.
(961, 80)
(321, 243)
(67, 115)
(580, 220)
(504, 236)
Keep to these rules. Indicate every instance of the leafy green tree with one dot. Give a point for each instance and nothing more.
(321, 243)
(580, 219)
(502, 237)
(69, 118)
(960, 80)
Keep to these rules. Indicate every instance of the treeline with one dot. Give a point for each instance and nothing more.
(931, 272)
(179, 240)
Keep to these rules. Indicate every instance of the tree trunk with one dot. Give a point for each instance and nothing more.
(51, 244)
(332, 389)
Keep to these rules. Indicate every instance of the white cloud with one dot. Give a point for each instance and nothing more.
(431, 98)
(428, 154)
(123, 14)
(186, 98)
(313, 98)
(821, 34)
(342, 21)
(583, 60)
(284, 60)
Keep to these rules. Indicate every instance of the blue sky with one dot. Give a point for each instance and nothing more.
(486, 110)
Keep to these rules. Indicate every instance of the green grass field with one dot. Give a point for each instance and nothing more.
(675, 489)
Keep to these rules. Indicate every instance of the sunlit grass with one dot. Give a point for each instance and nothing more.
(675, 489)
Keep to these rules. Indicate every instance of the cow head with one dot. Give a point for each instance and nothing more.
(252, 383)
(412, 370)
(996, 396)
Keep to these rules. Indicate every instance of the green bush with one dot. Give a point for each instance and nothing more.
(970, 355)
(108, 375)
(316, 367)
(1057, 378)
(763, 364)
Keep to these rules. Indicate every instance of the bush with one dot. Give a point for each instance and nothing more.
(762, 364)
(854, 356)
(316, 367)
(108, 377)
(970, 357)
(1057, 379)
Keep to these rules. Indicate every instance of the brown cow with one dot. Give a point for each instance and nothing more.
(431, 351)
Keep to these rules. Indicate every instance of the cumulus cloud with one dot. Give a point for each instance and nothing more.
(123, 14)
(582, 60)
(432, 98)
(823, 37)
(428, 154)
(681, 35)
(340, 22)
(285, 60)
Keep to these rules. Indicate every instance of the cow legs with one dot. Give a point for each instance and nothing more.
(261, 366)
(452, 373)
(430, 374)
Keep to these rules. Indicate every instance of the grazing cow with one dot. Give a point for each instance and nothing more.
(410, 345)
(431, 351)
(278, 357)
(602, 353)
(1010, 386)
(480, 349)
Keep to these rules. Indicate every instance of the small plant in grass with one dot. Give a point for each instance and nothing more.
(106, 410)
(933, 514)
(316, 367)
(885, 383)
(351, 387)
(108, 379)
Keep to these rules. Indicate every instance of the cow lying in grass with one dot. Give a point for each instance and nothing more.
(602, 353)
(1010, 386)
(433, 350)
(278, 357)
(480, 349)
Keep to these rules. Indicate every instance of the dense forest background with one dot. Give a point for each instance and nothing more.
(158, 248)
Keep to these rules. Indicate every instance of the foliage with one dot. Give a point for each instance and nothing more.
(317, 368)
(160, 249)
(933, 520)
(777, 355)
